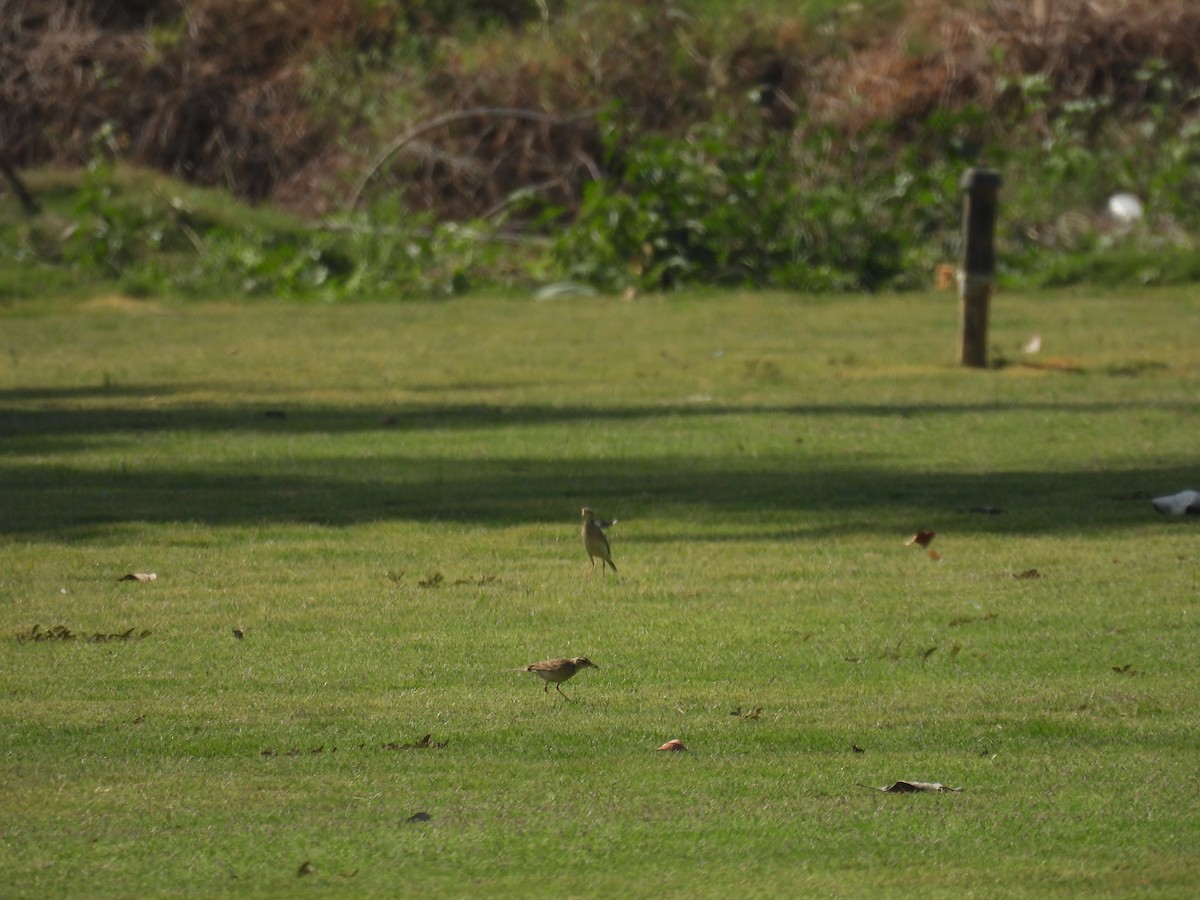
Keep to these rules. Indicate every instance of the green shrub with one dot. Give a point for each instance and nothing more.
(716, 208)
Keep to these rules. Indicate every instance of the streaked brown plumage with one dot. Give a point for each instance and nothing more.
(595, 543)
(556, 671)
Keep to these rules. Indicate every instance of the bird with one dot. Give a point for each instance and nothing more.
(556, 671)
(1185, 503)
(594, 541)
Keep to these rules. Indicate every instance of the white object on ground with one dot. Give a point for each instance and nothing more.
(1185, 503)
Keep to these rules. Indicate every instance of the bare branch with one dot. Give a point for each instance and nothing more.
(529, 115)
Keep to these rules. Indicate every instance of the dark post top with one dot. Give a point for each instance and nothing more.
(980, 188)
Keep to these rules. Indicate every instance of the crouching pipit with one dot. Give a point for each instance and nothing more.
(556, 671)
(595, 543)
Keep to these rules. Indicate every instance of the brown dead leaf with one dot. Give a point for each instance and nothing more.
(967, 620)
(423, 743)
(35, 634)
(1028, 574)
(934, 555)
(126, 635)
(144, 577)
(418, 817)
(673, 745)
(921, 539)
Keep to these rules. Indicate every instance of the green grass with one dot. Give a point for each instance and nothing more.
(301, 471)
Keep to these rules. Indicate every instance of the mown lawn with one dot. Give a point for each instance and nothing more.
(385, 499)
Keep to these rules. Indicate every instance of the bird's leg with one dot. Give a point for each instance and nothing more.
(558, 687)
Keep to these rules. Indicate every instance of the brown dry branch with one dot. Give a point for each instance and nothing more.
(528, 115)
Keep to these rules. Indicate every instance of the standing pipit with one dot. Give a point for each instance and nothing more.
(595, 543)
(556, 671)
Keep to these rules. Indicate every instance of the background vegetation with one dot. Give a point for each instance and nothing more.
(804, 145)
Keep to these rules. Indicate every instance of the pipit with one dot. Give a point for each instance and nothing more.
(595, 543)
(556, 671)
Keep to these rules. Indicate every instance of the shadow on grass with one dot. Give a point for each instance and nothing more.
(298, 418)
(771, 496)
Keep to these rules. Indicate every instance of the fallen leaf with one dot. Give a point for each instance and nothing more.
(418, 817)
(1028, 574)
(911, 787)
(306, 868)
(925, 654)
(57, 633)
(966, 620)
(921, 539)
(423, 743)
(674, 744)
(126, 635)
(934, 555)
(139, 576)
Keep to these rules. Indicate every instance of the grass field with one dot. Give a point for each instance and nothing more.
(385, 498)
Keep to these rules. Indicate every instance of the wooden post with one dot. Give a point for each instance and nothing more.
(980, 189)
